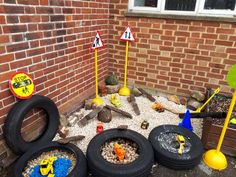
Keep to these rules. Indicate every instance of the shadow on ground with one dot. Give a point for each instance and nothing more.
(159, 171)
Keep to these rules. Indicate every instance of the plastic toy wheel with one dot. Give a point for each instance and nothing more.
(166, 147)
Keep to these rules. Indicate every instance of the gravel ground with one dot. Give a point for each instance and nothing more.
(147, 113)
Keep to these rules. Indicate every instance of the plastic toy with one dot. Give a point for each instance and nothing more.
(233, 121)
(181, 141)
(127, 36)
(96, 45)
(158, 107)
(145, 125)
(119, 151)
(215, 92)
(214, 158)
(100, 127)
(115, 101)
(47, 166)
(186, 122)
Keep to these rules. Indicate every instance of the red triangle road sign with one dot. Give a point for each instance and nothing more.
(127, 35)
(97, 43)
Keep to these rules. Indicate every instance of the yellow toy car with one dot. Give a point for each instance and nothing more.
(46, 166)
(115, 101)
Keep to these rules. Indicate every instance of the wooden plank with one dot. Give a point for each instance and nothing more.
(119, 111)
(149, 96)
(69, 139)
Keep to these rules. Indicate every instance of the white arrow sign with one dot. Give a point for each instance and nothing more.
(127, 35)
(97, 43)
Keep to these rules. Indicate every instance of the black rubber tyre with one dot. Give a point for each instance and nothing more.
(13, 123)
(80, 169)
(172, 160)
(99, 167)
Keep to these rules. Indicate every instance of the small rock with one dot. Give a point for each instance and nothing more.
(63, 132)
(183, 101)
(122, 127)
(112, 89)
(199, 96)
(193, 104)
(105, 115)
(88, 104)
(63, 121)
(102, 89)
(174, 99)
(136, 92)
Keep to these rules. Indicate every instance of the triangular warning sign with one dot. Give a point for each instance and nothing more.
(127, 35)
(97, 43)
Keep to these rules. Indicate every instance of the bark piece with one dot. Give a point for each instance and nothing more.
(64, 122)
(123, 127)
(199, 96)
(105, 115)
(69, 139)
(89, 116)
(119, 111)
(132, 101)
(63, 132)
(149, 96)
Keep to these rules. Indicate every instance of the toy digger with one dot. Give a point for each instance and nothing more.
(181, 142)
(115, 101)
(119, 151)
(47, 166)
(158, 107)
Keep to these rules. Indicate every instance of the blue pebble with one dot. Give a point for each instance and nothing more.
(61, 168)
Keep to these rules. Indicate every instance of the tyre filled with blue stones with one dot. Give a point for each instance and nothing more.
(61, 165)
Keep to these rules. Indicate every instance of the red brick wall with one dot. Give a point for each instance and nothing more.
(173, 55)
(50, 40)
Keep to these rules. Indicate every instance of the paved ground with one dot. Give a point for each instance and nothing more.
(160, 171)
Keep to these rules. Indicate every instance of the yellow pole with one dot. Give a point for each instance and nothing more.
(226, 122)
(126, 61)
(215, 92)
(96, 71)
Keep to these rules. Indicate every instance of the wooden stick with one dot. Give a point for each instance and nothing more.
(119, 111)
(149, 96)
(69, 139)
(132, 100)
(94, 113)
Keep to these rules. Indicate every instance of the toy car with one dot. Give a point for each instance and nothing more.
(47, 167)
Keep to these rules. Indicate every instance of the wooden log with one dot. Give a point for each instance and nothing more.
(89, 116)
(93, 113)
(149, 96)
(119, 111)
(171, 110)
(132, 100)
(69, 139)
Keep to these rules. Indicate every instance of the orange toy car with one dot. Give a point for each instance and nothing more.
(119, 151)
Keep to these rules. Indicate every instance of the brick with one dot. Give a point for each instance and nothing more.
(6, 58)
(28, 2)
(44, 2)
(4, 67)
(57, 18)
(4, 39)
(19, 64)
(12, 10)
(44, 10)
(2, 20)
(14, 29)
(10, 1)
(12, 19)
(224, 43)
(17, 37)
(225, 31)
(17, 47)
